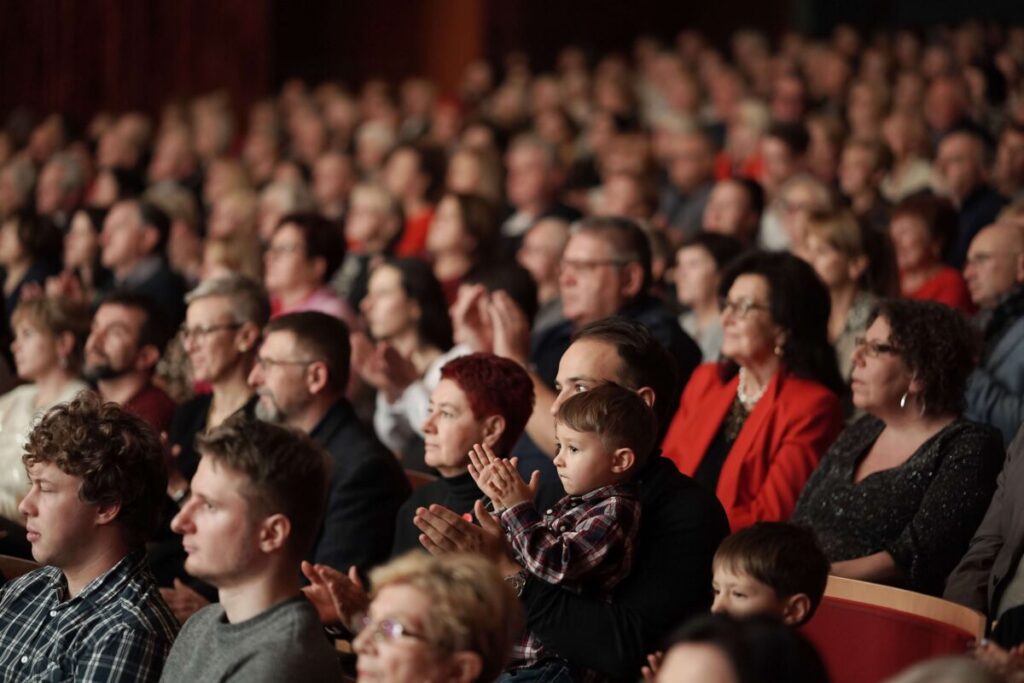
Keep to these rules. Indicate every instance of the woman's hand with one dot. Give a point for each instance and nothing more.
(338, 599)
(471, 322)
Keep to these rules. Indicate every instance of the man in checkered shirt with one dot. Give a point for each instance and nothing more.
(94, 612)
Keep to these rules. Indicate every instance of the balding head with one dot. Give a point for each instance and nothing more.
(995, 263)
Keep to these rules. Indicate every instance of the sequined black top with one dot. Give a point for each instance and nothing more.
(923, 512)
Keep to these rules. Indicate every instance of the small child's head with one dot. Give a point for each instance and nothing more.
(770, 568)
(603, 436)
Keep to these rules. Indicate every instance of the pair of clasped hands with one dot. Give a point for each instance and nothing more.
(341, 599)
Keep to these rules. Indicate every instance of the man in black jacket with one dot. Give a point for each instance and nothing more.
(300, 375)
(681, 525)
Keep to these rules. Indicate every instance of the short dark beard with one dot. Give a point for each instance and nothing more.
(105, 371)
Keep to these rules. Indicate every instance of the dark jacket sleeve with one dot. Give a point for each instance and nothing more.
(670, 581)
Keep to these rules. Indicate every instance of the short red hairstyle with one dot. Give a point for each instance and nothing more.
(494, 386)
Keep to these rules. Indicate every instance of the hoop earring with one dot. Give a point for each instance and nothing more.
(903, 400)
(779, 350)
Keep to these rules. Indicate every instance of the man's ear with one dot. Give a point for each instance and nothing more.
(274, 533)
(147, 357)
(647, 394)
(632, 279)
(107, 513)
(150, 238)
(317, 377)
(466, 666)
(796, 609)
(494, 427)
(622, 460)
(857, 267)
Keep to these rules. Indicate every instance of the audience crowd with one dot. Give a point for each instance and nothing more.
(477, 384)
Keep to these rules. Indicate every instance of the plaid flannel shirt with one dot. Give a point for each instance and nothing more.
(584, 543)
(117, 628)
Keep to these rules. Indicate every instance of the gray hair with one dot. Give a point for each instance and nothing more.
(249, 301)
(72, 178)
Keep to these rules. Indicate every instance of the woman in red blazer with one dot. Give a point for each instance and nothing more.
(754, 426)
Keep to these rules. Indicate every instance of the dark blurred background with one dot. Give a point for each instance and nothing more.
(80, 56)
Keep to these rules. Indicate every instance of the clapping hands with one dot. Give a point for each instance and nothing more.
(499, 479)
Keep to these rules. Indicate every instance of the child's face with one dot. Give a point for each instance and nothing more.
(740, 595)
(583, 462)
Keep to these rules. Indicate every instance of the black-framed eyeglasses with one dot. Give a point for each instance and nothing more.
(386, 630)
(874, 349)
(266, 363)
(200, 332)
(741, 307)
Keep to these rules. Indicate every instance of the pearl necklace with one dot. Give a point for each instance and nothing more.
(748, 401)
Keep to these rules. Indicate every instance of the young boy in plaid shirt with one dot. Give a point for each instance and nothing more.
(585, 541)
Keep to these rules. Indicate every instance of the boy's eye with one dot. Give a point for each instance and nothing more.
(737, 594)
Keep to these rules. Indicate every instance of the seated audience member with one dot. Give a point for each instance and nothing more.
(414, 175)
(690, 166)
(59, 191)
(408, 321)
(586, 541)
(907, 140)
(540, 253)
(83, 277)
(784, 155)
(474, 171)
(127, 339)
(373, 225)
(134, 238)
(898, 495)
(720, 649)
(480, 398)
(303, 254)
(990, 577)
(799, 197)
(1008, 170)
(700, 261)
(277, 200)
(861, 169)
(300, 374)
(734, 209)
(256, 504)
(753, 427)
(605, 271)
(334, 176)
(436, 619)
(961, 173)
(184, 248)
(462, 240)
(921, 226)
(994, 274)
(30, 249)
(770, 569)
(93, 612)
(680, 528)
(48, 339)
(113, 185)
(858, 267)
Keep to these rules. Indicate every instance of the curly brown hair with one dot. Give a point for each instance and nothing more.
(118, 457)
(937, 345)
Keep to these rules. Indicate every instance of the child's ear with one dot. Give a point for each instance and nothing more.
(622, 460)
(796, 609)
(466, 666)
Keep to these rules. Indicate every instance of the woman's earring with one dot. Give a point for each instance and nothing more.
(779, 350)
(903, 400)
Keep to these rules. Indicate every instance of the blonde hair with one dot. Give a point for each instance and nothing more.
(472, 608)
(840, 229)
(57, 316)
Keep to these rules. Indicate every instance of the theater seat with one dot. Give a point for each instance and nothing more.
(418, 479)
(867, 632)
(13, 567)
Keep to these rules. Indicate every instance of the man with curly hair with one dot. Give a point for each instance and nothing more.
(94, 612)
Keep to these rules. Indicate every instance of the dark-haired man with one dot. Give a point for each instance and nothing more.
(93, 613)
(128, 335)
(257, 499)
(133, 238)
(300, 375)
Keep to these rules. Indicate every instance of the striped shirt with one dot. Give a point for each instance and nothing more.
(117, 628)
(584, 543)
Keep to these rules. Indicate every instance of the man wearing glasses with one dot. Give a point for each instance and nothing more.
(300, 375)
(256, 505)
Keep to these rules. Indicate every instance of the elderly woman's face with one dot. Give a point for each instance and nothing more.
(392, 648)
(880, 377)
(913, 245)
(750, 333)
(450, 429)
(211, 339)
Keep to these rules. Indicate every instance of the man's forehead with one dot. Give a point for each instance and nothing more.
(590, 359)
(48, 471)
(117, 313)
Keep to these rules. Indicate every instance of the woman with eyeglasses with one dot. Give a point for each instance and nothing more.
(447, 619)
(753, 426)
(220, 335)
(899, 494)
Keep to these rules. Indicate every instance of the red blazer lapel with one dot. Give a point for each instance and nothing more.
(750, 442)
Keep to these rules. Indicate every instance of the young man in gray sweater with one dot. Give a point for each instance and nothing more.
(255, 507)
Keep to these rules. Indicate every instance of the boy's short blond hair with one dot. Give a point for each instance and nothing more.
(784, 557)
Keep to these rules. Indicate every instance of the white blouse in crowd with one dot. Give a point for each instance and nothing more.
(17, 417)
(398, 424)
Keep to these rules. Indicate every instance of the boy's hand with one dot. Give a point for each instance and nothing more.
(511, 488)
(650, 672)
